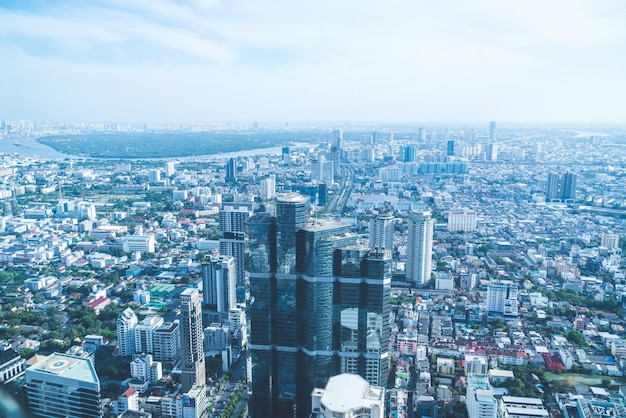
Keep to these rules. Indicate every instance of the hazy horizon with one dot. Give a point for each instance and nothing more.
(398, 63)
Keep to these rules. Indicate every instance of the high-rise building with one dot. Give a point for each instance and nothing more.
(305, 277)
(491, 152)
(480, 401)
(231, 170)
(126, 322)
(232, 236)
(450, 149)
(382, 231)
(568, 186)
(191, 340)
(609, 240)
(166, 343)
(335, 149)
(61, 386)
(219, 285)
(170, 169)
(492, 130)
(348, 395)
(268, 187)
(421, 133)
(144, 332)
(552, 189)
(462, 220)
(154, 176)
(420, 248)
(502, 297)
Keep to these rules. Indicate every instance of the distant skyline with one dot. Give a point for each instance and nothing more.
(400, 61)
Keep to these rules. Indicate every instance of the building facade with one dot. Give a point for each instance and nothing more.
(192, 336)
(420, 248)
(232, 236)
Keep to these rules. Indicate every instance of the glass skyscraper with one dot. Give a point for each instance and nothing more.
(319, 306)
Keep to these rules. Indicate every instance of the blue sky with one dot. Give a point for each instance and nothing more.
(333, 61)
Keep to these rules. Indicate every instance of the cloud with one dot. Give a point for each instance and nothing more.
(401, 60)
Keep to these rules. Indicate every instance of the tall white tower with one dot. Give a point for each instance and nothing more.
(126, 323)
(381, 231)
(420, 248)
(193, 373)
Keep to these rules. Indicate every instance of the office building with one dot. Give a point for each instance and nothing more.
(232, 236)
(305, 276)
(231, 170)
(218, 281)
(192, 365)
(491, 152)
(382, 231)
(480, 401)
(552, 188)
(410, 153)
(450, 149)
(502, 297)
(350, 396)
(462, 221)
(420, 248)
(63, 386)
(126, 322)
(568, 186)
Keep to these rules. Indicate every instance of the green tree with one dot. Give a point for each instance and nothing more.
(576, 337)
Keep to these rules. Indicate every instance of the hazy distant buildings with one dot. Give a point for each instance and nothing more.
(419, 248)
(268, 187)
(450, 148)
(231, 170)
(170, 169)
(609, 240)
(561, 187)
(335, 150)
(491, 152)
(492, 130)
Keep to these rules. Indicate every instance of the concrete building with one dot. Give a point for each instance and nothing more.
(476, 364)
(138, 243)
(382, 231)
(12, 365)
(63, 386)
(166, 343)
(502, 297)
(420, 248)
(219, 292)
(462, 220)
(192, 338)
(144, 334)
(126, 322)
(348, 396)
(232, 236)
(480, 401)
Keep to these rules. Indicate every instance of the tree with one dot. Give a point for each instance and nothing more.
(576, 337)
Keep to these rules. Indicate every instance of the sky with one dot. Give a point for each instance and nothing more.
(392, 61)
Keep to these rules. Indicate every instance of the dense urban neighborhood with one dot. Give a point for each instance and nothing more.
(436, 271)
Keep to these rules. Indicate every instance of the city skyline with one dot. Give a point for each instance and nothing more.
(197, 61)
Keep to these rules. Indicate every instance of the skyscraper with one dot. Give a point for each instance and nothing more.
(126, 322)
(450, 149)
(231, 170)
(268, 187)
(382, 231)
(218, 280)
(335, 149)
(232, 236)
(492, 130)
(170, 169)
(552, 189)
(420, 248)
(298, 300)
(191, 340)
(568, 186)
(63, 386)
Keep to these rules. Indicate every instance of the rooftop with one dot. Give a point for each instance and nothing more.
(67, 366)
(346, 392)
